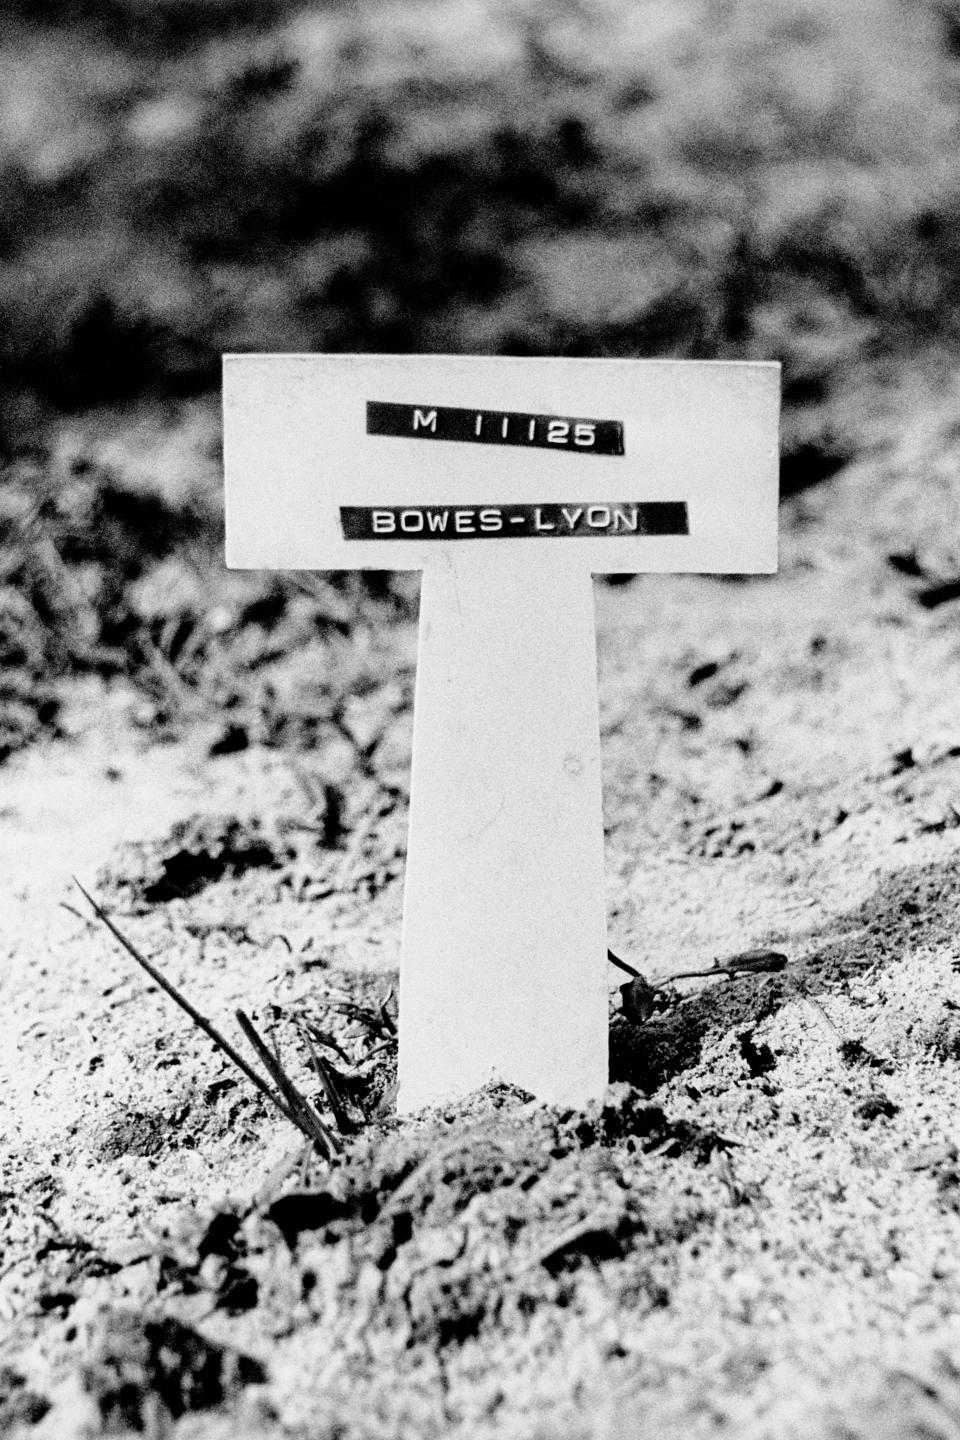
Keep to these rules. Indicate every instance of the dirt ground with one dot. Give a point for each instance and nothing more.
(757, 1234)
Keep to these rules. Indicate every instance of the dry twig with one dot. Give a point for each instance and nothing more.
(754, 962)
(291, 1112)
(325, 1074)
(301, 1111)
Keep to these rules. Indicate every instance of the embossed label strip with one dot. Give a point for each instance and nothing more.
(495, 427)
(576, 519)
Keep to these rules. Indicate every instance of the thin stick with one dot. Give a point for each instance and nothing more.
(659, 981)
(334, 1099)
(199, 1020)
(322, 1038)
(755, 961)
(622, 965)
(747, 962)
(72, 910)
(302, 1112)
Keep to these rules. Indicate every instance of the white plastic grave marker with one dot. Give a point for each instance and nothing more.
(509, 483)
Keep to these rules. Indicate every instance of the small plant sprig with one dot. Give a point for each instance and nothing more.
(637, 995)
(287, 1098)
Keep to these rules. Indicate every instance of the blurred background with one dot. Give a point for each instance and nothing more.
(774, 179)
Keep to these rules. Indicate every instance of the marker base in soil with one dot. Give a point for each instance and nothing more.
(503, 970)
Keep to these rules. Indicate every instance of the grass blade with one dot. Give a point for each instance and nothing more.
(202, 1023)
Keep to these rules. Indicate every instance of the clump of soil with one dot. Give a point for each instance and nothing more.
(138, 1375)
(104, 575)
(200, 851)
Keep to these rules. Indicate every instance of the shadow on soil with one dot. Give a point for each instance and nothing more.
(912, 907)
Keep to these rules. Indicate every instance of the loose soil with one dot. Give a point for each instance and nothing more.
(757, 1233)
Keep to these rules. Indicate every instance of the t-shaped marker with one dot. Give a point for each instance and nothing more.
(509, 483)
